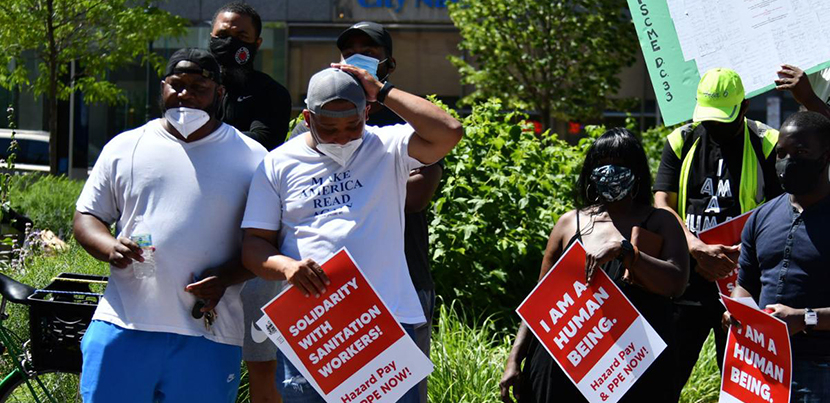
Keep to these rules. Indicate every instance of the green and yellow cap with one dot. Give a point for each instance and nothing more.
(719, 96)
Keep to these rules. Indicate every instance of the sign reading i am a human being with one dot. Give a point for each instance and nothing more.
(346, 343)
(591, 329)
(757, 363)
(726, 233)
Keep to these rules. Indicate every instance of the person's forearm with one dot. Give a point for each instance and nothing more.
(263, 259)
(658, 276)
(815, 104)
(691, 239)
(519, 350)
(93, 235)
(430, 122)
(421, 187)
(263, 134)
(823, 319)
(233, 272)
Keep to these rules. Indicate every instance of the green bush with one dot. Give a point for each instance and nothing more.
(503, 189)
(48, 200)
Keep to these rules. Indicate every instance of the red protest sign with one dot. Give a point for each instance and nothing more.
(757, 364)
(346, 342)
(726, 233)
(591, 329)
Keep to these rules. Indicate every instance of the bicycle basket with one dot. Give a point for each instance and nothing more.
(58, 318)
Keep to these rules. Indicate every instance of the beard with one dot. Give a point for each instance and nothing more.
(235, 78)
(212, 109)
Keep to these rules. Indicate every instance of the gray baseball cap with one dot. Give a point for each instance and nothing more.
(332, 84)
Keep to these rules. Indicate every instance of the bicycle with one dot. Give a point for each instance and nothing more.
(51, 358)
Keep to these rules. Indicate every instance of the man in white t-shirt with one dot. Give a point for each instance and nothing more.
(343, 184)
(175, 189)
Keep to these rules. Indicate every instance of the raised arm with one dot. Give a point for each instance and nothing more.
(436, 132)
(793, 79)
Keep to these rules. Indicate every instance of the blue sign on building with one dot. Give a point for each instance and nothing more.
(398, 5)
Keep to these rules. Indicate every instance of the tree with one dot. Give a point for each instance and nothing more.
(560, 58)
(98, 35)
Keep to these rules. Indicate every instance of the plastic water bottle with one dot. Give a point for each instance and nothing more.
(147, 268)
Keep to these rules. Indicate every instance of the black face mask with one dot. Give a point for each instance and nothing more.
(799, 176)
(233, 53)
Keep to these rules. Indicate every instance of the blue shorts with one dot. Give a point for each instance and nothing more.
(294, 388)
(122, 365)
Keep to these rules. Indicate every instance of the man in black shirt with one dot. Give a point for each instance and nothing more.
(784, 256)
(702, 179)
(254, 103)
(260, 108)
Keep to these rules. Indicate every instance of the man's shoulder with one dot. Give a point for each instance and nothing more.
(265, 83)
(291, 151)
(680, 138)
(759, 128)
(770, 208)
(127, 139)
(246, 143)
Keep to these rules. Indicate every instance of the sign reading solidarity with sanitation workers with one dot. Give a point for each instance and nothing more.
(346, 343)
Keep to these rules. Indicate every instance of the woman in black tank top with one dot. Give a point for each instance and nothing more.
(614, 198)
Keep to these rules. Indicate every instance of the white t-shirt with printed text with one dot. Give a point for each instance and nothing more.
(190, 197)
(319, 207)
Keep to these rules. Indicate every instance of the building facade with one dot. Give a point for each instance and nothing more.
(298, 40)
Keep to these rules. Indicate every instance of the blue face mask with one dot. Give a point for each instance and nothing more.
(367, 63)
(613, 182)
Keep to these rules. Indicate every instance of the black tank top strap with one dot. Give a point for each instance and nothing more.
(577, 234)
(648, 217)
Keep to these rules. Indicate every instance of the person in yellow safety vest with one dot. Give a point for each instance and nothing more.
(717, 167)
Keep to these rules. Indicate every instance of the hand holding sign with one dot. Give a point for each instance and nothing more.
(591, 329)
(346, 343)
(307, 276)
(757, 363)
(794, 318)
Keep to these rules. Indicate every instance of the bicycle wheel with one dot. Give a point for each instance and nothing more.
(61, 386)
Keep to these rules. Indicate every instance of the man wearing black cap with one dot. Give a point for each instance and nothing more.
(368, 45)
(255, 104)
(158, 183)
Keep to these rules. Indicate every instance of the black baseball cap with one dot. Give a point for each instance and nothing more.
(376, 32)
(208, 67)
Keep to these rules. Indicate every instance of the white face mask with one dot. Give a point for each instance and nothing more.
(186, 120)
(341, 154)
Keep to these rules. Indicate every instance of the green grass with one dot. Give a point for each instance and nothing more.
(48, 200)
(704, 383)
(468, 360)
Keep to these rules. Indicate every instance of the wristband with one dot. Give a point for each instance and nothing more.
(381, 97)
